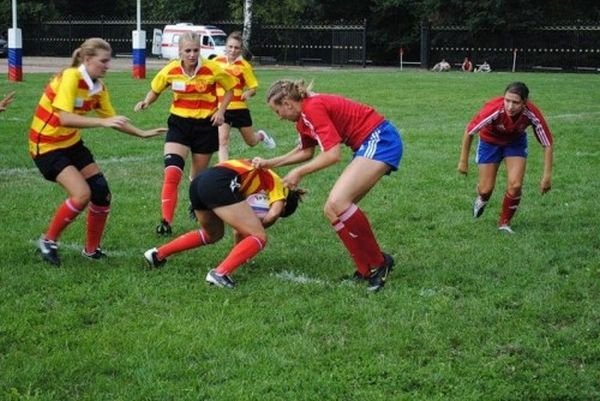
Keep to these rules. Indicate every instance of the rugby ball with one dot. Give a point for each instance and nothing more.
(259, 202)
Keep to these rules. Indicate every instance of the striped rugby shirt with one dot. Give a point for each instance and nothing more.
(193, 96)
(242, 71)
(72, 91)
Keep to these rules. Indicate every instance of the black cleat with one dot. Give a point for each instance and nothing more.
(478, 207)
(164, 228)
(379, 275)
(96, 255)
(354, 278)
(49, 251)
(223, 281)
(151, 258)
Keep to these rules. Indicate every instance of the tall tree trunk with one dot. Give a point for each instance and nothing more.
(247, 32)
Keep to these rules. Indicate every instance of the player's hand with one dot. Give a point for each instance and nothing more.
(463, 167)
(545, 185)
(292, 179)
(140, 106)
(217, 119)
(259, 162)
(7, 100)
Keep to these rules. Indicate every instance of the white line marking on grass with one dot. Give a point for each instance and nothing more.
(298, 279)
(574, 115)
(11, 171)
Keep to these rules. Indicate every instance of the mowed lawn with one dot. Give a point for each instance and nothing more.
(467, 314)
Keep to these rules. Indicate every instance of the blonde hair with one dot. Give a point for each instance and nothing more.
(295, 90)
(87, 49)
(192, 37)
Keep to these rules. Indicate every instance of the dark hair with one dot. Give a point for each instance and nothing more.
(518, 88)
(291, 202)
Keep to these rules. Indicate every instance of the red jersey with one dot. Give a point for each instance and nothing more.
(497, 127)
(327, 120)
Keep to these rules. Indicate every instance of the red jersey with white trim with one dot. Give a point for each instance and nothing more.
(193, 96)
(72, 91)
(327, 120)
(254, 180)
(497, 127)
(242, 71)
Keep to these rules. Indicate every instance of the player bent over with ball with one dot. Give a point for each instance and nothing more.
(501, 125)
(329, 122)
(218, 196)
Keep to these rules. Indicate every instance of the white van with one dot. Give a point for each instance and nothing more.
(166, 43)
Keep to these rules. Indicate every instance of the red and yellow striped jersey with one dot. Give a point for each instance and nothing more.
(193, 96)
(72, 91)
(253, 180)
(242, 71)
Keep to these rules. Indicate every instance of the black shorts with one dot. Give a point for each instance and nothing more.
(238, 118)
(52, 163)
(198, 134)
(214, 187)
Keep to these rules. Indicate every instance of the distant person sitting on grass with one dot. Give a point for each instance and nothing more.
(467, 65)
(501, 125)
(218, 196)
(485, 67)
(442, 66)
(6, 101)
(58, 151)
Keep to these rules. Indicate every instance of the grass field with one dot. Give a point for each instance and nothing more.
(468, 314)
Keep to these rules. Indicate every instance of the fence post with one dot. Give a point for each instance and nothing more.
(425, 30)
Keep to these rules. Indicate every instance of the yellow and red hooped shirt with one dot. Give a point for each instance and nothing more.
(193, 96)
(242, 71)
(72, 91)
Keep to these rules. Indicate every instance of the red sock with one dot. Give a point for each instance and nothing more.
(189, 240)
(242, 252)
(96, 221)
(510, 205)
(363, 244)
(168, 196)
(348, 242)
(64, 215)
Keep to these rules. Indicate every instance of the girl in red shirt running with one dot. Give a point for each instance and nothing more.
(501, 125)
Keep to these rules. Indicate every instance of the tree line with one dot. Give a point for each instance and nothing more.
(391, 24)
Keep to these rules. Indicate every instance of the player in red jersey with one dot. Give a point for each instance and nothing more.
(329, 122)
(194, 119)
(218, 197)
(57, 149)
(237, 114)
(501, 125)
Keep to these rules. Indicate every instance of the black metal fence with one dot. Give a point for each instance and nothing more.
(553, 48)
(302, 44)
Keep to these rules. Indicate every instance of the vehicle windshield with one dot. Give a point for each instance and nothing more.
(220, 40)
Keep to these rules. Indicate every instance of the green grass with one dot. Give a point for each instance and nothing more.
(468, 314)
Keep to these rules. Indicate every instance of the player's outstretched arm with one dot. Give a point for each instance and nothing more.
(463, 161)
(7, 100)
(546, 182)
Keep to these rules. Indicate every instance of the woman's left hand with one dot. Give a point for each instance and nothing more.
(292, 179)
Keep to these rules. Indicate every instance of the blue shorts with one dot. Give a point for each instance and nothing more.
(490, 153)
(384, 144)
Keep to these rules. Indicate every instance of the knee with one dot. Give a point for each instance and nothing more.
(99, 191)
(172, 159)
(334, 207)
(514, 188)
(82, 198)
